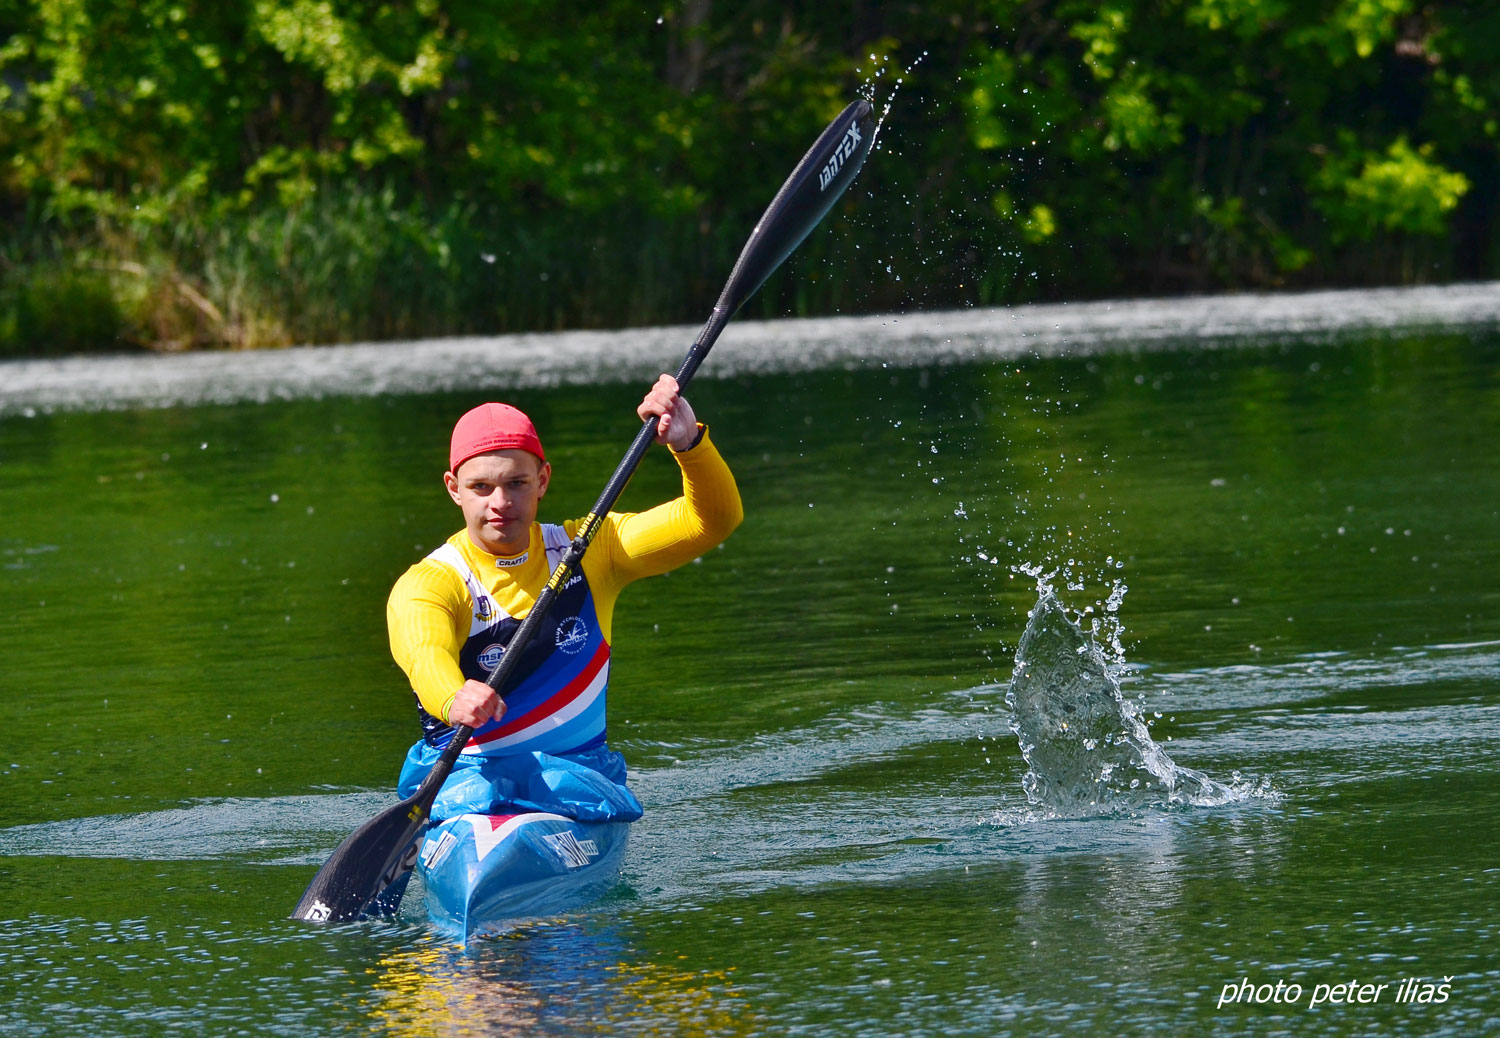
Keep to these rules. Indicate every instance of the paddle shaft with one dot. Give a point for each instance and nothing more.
(570, 561)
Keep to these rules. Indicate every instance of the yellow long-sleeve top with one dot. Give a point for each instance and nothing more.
(430, 608)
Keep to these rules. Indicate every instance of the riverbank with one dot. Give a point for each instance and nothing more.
(516, 362)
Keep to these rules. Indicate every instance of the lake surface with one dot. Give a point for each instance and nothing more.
(1302, 519)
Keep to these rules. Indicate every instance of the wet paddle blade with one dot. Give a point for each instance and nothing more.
(823, 175)
(373, 857)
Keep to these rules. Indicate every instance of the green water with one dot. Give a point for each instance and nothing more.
(198, 703)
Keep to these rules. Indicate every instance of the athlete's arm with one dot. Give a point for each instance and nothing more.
(665, 537)
(425, 615)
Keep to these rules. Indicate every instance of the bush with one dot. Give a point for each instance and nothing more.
(56, 309)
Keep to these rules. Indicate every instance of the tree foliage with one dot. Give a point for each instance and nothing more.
(306, 170)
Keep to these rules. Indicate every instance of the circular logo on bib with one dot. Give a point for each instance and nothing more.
(489, 659)
(572, 635)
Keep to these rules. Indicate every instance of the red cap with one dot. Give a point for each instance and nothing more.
(492, 427)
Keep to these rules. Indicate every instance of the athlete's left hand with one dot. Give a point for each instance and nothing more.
(677, 426)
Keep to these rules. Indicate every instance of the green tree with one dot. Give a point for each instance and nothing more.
(308, 170)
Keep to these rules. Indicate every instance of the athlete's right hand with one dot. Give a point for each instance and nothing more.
(475, 704)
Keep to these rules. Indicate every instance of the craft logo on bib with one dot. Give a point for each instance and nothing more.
(572, 635)
(489, 659)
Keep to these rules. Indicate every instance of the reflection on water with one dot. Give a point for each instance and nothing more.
(549, 978)
(440, 990)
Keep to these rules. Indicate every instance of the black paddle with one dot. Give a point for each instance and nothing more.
(384, 849)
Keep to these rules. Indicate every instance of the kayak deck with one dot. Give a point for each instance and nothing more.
(478, 870)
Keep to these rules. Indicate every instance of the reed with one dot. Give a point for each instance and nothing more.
(355, 263)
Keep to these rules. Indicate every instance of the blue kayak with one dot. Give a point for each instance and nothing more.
(479, 870)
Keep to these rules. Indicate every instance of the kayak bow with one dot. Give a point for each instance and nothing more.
(478, 871)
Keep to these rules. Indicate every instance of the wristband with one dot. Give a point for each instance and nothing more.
(696, 440)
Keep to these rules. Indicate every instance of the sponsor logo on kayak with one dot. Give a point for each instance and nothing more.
(575, 853)
(489, 658)
(318, 913)
(508, 563)
(434, 851)
(840, 155)
(572, 635)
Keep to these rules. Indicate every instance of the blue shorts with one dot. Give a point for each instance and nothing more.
(588, 785)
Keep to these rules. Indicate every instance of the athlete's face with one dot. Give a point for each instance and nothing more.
(499, 493)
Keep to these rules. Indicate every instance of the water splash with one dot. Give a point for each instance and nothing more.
(868, 89)
(1086, 745)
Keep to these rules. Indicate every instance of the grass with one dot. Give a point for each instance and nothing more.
(355, 263)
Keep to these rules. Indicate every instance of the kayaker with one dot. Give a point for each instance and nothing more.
(452, 614)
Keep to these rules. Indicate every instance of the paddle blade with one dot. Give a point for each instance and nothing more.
(373, 857)
(823, 175)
